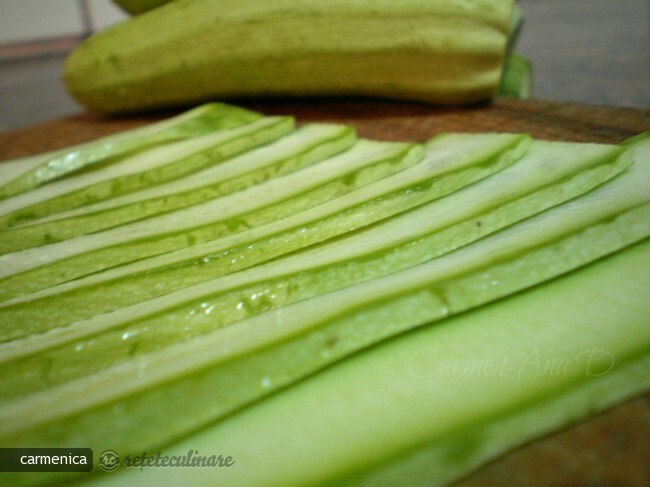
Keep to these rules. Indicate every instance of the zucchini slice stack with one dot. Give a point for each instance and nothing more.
(321, 307)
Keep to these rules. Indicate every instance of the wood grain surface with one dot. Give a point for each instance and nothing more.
(377, 119)
(612, 449)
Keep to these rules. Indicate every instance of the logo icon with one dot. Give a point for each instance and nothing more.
(109, 460)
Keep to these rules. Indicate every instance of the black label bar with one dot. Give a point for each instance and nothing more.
(46, 460)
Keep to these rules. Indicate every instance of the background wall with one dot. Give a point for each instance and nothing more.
(590, 51)
(40, 20)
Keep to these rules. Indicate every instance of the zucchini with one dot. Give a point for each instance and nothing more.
(37, 268)
(344, 254)
(529, 186)
(155, 166)
(20, 175)
(440, 51)
(402, 242)
(304, 147)
(452, 161)
(238, 364)
(399, 414)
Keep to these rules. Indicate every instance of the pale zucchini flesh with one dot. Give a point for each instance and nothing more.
(262, 368)
(449, 164)
(367, 162)
(153, 326)
(154, 166)
(393, 256)
(536, 182)
(27, 173)
(238, 364)
(37, 268)
(609, 218)
(398, 413)
(306, 146)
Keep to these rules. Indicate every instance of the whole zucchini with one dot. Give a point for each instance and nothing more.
(440, 51)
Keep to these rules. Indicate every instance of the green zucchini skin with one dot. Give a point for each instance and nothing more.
(440, 51)
(517, 80)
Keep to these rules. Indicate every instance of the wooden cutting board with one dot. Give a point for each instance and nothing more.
(612, 449)
(377, 119)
